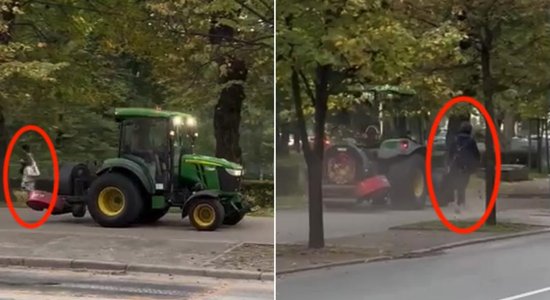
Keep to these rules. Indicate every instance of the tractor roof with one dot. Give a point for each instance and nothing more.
(128, 113)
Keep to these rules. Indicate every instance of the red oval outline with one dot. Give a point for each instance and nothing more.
(5, 174)
(498, 164)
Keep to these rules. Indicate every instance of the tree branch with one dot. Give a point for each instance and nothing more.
(255, 12)
(35, 28)
(449, 68)
(308, 88)
(267, 6)
(526, 45)
(253, 42)
(77, 7)
(298, 106)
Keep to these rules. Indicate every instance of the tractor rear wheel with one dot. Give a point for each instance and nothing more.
(152, 215)
(407, 179)
(206, 214)
(115, 200)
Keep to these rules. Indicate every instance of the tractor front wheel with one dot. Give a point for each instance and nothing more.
(115, 201)
(408, 182)
(206, 214)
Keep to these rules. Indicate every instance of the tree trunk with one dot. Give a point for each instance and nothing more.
(488, 92)
(8, 17)
(315, 164)
(227, 120)
(297, 139)
(539, 145)
(508, 131)
(283, 138)
(227, 113)
(547, 137)
(530, 145)
(313, 157)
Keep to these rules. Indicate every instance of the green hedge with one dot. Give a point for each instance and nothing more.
(259, 192)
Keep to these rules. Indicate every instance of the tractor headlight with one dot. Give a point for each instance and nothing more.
(191, 122)
(234, 172)
(177, 121)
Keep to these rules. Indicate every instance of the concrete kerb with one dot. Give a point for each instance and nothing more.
(415, 253)
(335, 264)
(474, 241)
(76, 264)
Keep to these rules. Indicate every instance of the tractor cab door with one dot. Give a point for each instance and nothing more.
(148, 140)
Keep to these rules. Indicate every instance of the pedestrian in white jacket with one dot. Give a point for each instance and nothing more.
(29, 172)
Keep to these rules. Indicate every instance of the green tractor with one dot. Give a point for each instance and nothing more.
(155, 170)
(377, 153)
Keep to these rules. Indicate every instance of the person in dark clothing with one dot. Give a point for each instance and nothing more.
(464, 159)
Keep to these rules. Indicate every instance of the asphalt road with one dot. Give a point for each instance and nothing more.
(507, 270)
(19, 283)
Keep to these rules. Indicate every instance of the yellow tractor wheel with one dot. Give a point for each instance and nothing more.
(206, 214)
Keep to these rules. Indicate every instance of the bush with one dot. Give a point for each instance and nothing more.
(259, 192)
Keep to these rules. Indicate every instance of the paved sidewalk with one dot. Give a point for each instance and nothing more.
(172, 242)
(353, 233)
(539, 187)
(343, 218)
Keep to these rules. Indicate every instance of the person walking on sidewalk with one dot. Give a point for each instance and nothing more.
(29, 170)
(464, 159)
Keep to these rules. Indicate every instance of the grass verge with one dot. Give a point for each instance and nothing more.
(501, 227)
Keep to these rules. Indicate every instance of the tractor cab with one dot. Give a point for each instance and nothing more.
(379, 113)
(157, 140)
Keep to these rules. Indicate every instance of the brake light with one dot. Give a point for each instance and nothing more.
(404, 145)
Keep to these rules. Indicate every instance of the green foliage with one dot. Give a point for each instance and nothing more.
(365, 43)
(68, 63)
(259, 192)
(520, 43)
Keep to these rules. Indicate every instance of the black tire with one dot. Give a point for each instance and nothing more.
(212, 208)
(132, 200)
(233, 219)
(79, 211)
(407, 178)
(152, 215)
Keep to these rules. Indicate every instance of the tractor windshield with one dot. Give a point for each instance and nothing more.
(184, 134)
(147, 139)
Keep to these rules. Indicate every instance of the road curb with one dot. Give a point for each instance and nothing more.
(415, 253)
(473, 242)
(336, 264)
(523, 196)
(77, 264)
